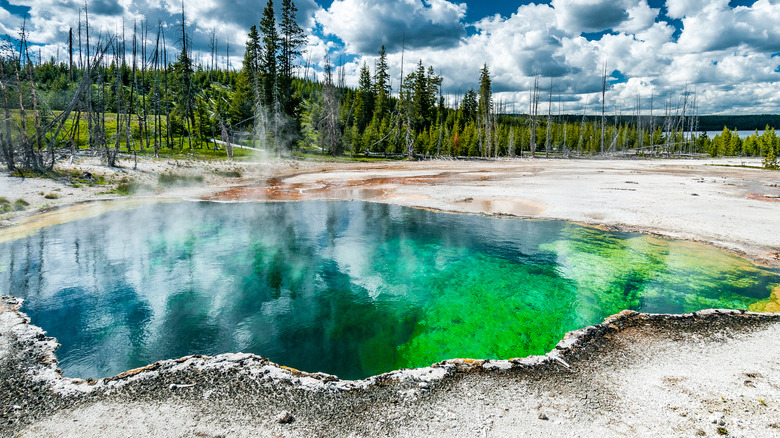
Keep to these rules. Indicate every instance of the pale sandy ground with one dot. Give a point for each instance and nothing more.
(735, 208)
(712, 201)
(34, 190)
(645, 376)
(706, 374)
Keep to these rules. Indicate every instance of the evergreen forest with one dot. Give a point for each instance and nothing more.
(130, 94)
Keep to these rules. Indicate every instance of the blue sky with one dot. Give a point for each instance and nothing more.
(727, 52)
(481, 9)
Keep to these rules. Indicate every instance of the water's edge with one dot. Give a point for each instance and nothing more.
(27, 352)
(27, 224)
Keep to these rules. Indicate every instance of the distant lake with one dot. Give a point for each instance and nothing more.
(742, 134)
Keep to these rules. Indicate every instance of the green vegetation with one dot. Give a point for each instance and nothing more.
(84, 178)
(766, 144)
(130, 186)
(228, 173)
(6, 206)
(51, 196)
(169, 179)
(112, 104)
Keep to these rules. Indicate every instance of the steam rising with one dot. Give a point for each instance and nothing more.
(348, 288)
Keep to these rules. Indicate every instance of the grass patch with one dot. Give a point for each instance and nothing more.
(318, 156)
(51, 196)
(20, 204)
(228, 173)
(177, 180)
(78, 179)
(129, 186)
(75, 178)
(18, 173)
(744, 166)
(7, 207)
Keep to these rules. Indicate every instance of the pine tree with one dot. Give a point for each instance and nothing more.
(749, 145)
(184, 103)
(485, 107)
(245, 96)
(421, 106)
(268, 68)
(292, 39)
(770, 161)
(371, 136)
(253, 54)
(768, 140)
(485, 92)
(734, 145)
(468, 107)
(382, 85)
(364, 101)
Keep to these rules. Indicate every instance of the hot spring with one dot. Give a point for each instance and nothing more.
(347, 288)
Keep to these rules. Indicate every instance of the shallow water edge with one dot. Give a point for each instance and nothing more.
(28, 225)
(296, 293)
(247, 395)
(25, 341)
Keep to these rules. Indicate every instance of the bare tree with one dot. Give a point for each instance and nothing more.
(652, 121)
(6, 141)
(166, 110)
(133, 91)
(144, 110)
(70, 54)
(548, 136)
(157, 117)
(33, 93)
(640, 141)
(27, 148)
(111, 155)
(583, 125)
(330, 104)
(511, 142)
(90, 122)
(603, 106)
(534, 113)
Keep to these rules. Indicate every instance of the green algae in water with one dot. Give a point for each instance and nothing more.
(348, 288)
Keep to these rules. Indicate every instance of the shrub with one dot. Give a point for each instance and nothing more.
(7, 207)
(173, 179)
(129, 186)
(20, 204)
(228, 173)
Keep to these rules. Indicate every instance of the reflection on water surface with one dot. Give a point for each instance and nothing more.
(347, 288)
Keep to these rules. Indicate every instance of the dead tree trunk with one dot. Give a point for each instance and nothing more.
(70, 54)
(547, 138)
(603, 107)
(6, 141)
(144, 127)
(534, 115)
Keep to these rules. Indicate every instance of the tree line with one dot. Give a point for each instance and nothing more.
(125, 93)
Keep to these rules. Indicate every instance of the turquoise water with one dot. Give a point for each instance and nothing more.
(347, 288)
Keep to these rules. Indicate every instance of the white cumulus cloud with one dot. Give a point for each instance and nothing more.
(365, 25)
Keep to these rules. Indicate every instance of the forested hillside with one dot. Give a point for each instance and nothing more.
(130, 93)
